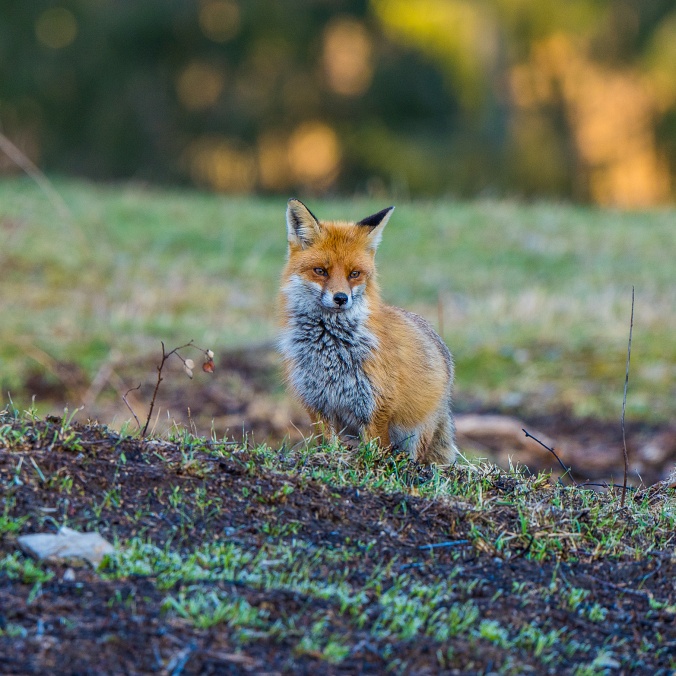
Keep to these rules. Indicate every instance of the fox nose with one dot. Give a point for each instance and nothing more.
(340, 299)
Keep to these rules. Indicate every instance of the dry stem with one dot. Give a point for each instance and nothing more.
(624, 402)
(22, 161)
(165, 355)
(567, 470)
(124, 399)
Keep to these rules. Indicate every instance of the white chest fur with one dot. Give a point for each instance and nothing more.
(326, 352)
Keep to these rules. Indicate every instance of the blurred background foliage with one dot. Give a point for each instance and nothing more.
(568, 99)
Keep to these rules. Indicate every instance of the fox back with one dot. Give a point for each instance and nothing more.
(364, 369)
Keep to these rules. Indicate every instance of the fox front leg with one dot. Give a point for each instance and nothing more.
(323, 428)
(379, 432)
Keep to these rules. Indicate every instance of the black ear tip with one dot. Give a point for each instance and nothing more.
(376, 219)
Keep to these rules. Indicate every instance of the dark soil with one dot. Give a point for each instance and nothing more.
(80, 625)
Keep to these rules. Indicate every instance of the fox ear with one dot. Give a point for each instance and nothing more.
(302, 225)
(376, 224)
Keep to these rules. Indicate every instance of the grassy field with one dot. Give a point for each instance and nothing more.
(315, 559)
(240, 557)
(535, 298)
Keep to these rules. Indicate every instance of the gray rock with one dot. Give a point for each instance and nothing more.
(67, 544)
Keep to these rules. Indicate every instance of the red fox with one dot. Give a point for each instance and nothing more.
(365, 369)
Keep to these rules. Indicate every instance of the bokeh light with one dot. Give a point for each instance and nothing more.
(221, 164)
(611, 114)
(199, 85)
(572, 100)
(56, 27)
(314, 154)
(273, 161)
(219, 19)
(346, 57)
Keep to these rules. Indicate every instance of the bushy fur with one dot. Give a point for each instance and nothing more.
(364, 369)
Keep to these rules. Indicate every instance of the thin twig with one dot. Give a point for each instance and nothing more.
(165, 356)
(624, 402)
(652, 572)
(22, 161)
(567, 470)
(208, 366)
(157, 387)
(124, 399)
(605, 485)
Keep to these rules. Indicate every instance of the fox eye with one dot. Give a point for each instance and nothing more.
(320, 271)
(354, 274)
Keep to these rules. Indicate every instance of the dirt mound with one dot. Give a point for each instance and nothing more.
(239, 560)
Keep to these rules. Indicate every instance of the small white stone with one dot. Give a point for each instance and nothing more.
(67, 544)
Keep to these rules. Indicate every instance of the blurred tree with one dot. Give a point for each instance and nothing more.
(421, 97)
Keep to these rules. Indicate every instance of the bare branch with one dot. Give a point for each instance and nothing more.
(624, 402)
(165, 356)
(187, 364)
(26, 165)
(605, 485)
(567, 470)
(124, 399)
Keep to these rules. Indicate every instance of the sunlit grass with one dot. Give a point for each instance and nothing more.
(535, 298)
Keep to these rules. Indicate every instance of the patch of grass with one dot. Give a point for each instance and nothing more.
(386, 607)
(206, 609)
(9, 524)
(407, 610)
(317, 644)
(13, 630)
(18, 567)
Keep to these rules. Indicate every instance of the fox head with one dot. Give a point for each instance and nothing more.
(331, 264)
